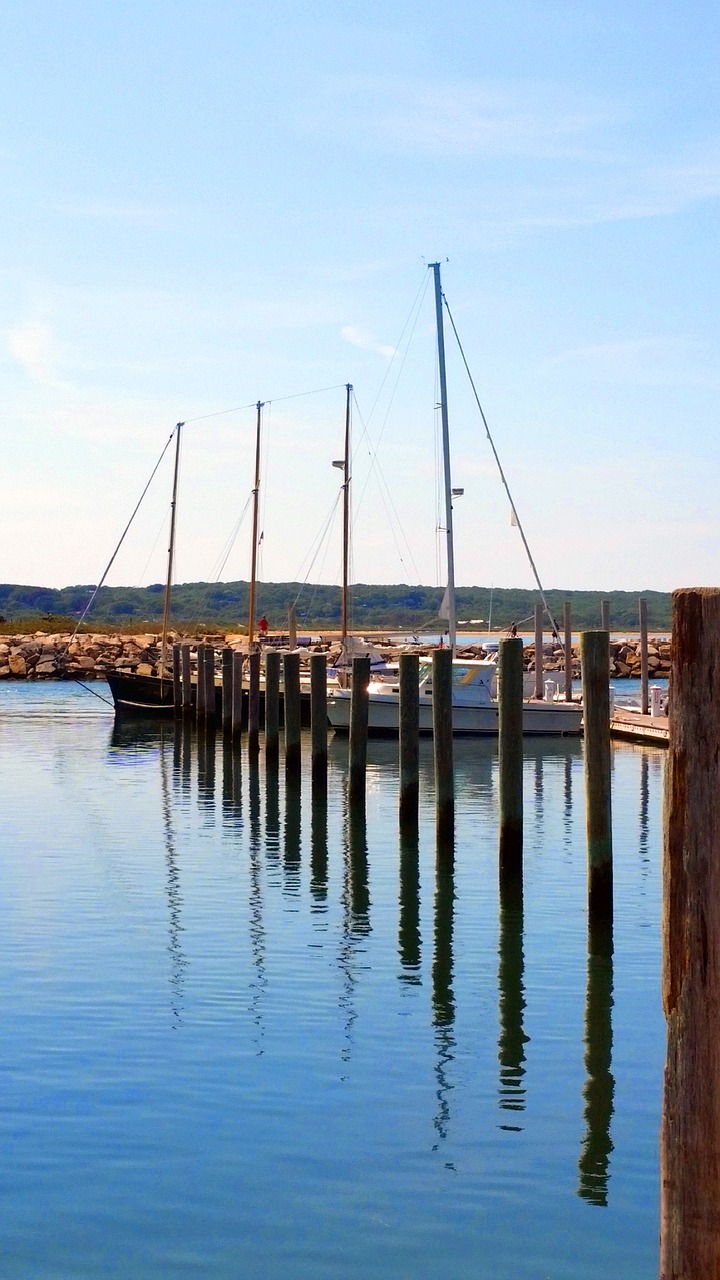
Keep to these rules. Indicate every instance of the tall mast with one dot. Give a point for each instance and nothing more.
(346, 519)
(171, 553)
(452, 616)
(256, 504)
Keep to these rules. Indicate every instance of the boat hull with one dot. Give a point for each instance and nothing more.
(149, 696)
(555, 719)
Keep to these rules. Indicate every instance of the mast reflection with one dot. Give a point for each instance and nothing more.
(178, 960)
(599, 1089)
(443, 999)
(644, 807)
(356, 915)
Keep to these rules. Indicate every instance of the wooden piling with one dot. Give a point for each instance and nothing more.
(567, 626)
(595, 659)
(510, 759)
(443, 751)
(291, 678)
(292, 627)
(254, 702)
(409, 743)
(318, 719)
(272, 707)
(210, 683)
(539, 664)
(237, 695)
(690, 1133)
(359, 704)
(185, 668)
(200, 687)
(644, 694)
(604, 615)
(177, 679)
(227, 661)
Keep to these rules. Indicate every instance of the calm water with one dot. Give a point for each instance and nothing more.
(242, 1038)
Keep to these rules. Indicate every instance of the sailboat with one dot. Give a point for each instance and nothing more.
(474, 709)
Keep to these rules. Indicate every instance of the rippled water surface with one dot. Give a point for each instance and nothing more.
(247, 1037)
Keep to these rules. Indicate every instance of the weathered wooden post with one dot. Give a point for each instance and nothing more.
(291, 678)
(539, 689)
(358, 731)
(690, 1135)
(254, 702)
(510, 759)
(605, 615)
(272, 708)
(443, 750)
(177, 679)
(186, 677)
(644, 697)
(210, 683)
(318, 719)
(292, 627)
(237, 695)
(595, 659)
(409, 743)
(567, 626)
(200, 686)
(227, 660)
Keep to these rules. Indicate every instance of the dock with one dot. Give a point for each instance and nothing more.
(633, 726)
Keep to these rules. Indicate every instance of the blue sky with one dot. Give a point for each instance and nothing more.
(209, 204)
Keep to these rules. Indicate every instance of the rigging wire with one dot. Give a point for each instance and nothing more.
(506, 486)
(219, 413)
(321, 539)
(391, 512)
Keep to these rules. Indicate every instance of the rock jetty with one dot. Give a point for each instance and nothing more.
(90, 657)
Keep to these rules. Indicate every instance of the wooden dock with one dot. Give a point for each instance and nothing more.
(633, 726)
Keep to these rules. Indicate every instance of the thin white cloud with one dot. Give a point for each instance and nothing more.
(366, 342)
(31, 345)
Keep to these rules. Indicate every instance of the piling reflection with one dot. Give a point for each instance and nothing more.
(232, 789)
(443, 999)
(206, 745)
(409, 915)
(272, 815)
(319, 852)
(291, 848)
(593, 1165)
(511, 994)
(644, 807)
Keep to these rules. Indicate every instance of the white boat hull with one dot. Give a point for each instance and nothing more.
(558, 719)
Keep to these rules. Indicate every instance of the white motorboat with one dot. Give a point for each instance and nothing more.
(474, 710)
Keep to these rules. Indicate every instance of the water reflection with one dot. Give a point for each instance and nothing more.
(644, 806)
(356, 915)
(443, 998)
(272, 815)
(319, 852)
(232, 788)
(178, 961)
(599, 1089)
(291, 851)
(511, 993)
(206, 744)
(409, 916)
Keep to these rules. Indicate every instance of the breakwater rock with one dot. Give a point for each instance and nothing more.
(88, 657)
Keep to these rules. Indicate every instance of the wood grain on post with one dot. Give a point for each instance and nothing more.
(357, 764)
(644, 695)
(200, 687)
(604, 615)
(595, 660)
(185, 670)
(210, 706)
(177, 680)
(227, 659)
(254, 701)
(443, 750)
(291, 708)
(690, 1135)
(237, 695)
(409, 740)
(318, 718)
(567, 623)
(510, 758)
(539, 690)
(272, 707)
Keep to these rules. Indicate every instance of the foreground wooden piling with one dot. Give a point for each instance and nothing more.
(510, 758)
(644, 695)
(409, 740)
(443, 750)
(209, 676)
(237, 692)
(177, 678)
(227, 666)
(567, 626)
(200, 687)
(318, 719)
(539, 663)
(595, 659)
(291, 707)
(357, 766)
(272, 707)
(185, 669)
(690, 1135)
(254, 702)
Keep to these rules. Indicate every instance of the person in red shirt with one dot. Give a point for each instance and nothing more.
(263, 628)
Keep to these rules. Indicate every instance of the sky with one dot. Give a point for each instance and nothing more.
(206, 205)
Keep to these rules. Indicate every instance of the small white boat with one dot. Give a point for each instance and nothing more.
(474, 710)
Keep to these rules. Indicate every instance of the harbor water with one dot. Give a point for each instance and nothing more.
(249, 1036)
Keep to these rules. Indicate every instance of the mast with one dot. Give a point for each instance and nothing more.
(256, 503)
(346, 519)
(452, 615)
(171, 553)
